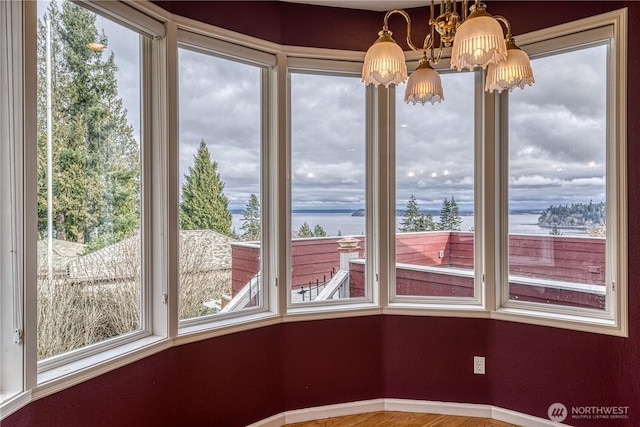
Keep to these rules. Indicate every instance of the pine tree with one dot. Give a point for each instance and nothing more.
(413, 220)
(449, 215)
(251, 219)
(304, 231)
(318, 231)
(425, 223)
(410, 216)
(95, 155)
(204, 205)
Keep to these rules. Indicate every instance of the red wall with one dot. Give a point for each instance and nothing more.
(241, 378)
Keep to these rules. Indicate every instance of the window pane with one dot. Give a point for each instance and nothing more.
(220, 220)
(435, 192)
(557, 182)
(89, 186)
(327, 187)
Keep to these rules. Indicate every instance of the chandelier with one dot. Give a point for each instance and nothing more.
(476, 40)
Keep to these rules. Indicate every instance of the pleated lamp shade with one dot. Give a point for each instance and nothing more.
(384, 63)
(514, 72)
(479, 41)
(424, 85)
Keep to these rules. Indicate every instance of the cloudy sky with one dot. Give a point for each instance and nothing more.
(557, 131)
(434, 146)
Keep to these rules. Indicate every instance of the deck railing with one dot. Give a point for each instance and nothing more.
(550, 269)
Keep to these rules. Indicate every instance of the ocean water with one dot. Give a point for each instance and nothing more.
(348, 225)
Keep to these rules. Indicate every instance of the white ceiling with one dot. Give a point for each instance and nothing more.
(378, 5)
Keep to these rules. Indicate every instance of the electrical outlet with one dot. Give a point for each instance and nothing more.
(478, 365)
(441, 254)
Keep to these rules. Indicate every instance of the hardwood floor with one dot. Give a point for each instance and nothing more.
(402, 419)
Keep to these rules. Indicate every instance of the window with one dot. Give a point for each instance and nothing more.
(220, 182)
(566, 248)
(435, 194)
(11, 243)
(328, 175)
(90, 186)
(557, 182)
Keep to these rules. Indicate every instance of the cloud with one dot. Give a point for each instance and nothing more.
(557, 132)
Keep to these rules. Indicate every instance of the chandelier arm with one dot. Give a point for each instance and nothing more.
(408, 19)
(439, 57)
(465, 10)
(431, 35)
(506, 23)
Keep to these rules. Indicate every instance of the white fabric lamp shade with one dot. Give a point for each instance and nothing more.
(424, 85)
(479, 41)
(384, 63)
(514, 72)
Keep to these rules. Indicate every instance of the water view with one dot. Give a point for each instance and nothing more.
(343, 222)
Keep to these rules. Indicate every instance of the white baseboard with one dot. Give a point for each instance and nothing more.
(404, 405)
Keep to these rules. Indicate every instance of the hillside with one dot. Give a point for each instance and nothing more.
(577, 215)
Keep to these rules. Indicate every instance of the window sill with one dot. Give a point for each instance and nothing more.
(223, 326)
(332, 311)
(64, 376)
(575, 322)
(474, 309)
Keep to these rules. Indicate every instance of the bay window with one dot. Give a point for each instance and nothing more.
(171, 180)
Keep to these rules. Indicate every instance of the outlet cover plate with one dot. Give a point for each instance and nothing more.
(478, 365)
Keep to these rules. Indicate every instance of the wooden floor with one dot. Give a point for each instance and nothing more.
(402, 419)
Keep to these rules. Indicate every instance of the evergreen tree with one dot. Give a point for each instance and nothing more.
(410, 216)
(251, 219)
(318, 231)
(555, 231)
(449, 215)
(413, 220)
(425, 223)
(204, 205)
(95, 155)
(304, 231)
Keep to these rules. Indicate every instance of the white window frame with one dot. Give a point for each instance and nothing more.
(411, 304)
(613, 320)
(335, 63)
(200, 39)
(51, 363)
(60, 371)
(13, 176)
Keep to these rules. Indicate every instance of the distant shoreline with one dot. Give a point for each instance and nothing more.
(399, 212)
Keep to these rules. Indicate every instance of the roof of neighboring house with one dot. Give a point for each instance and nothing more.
(200, 250)
(63, 252)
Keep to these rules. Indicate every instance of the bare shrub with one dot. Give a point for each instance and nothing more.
(97, 296)
(72, 316)
(198, 288)
(86, 307)
(201, 280)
